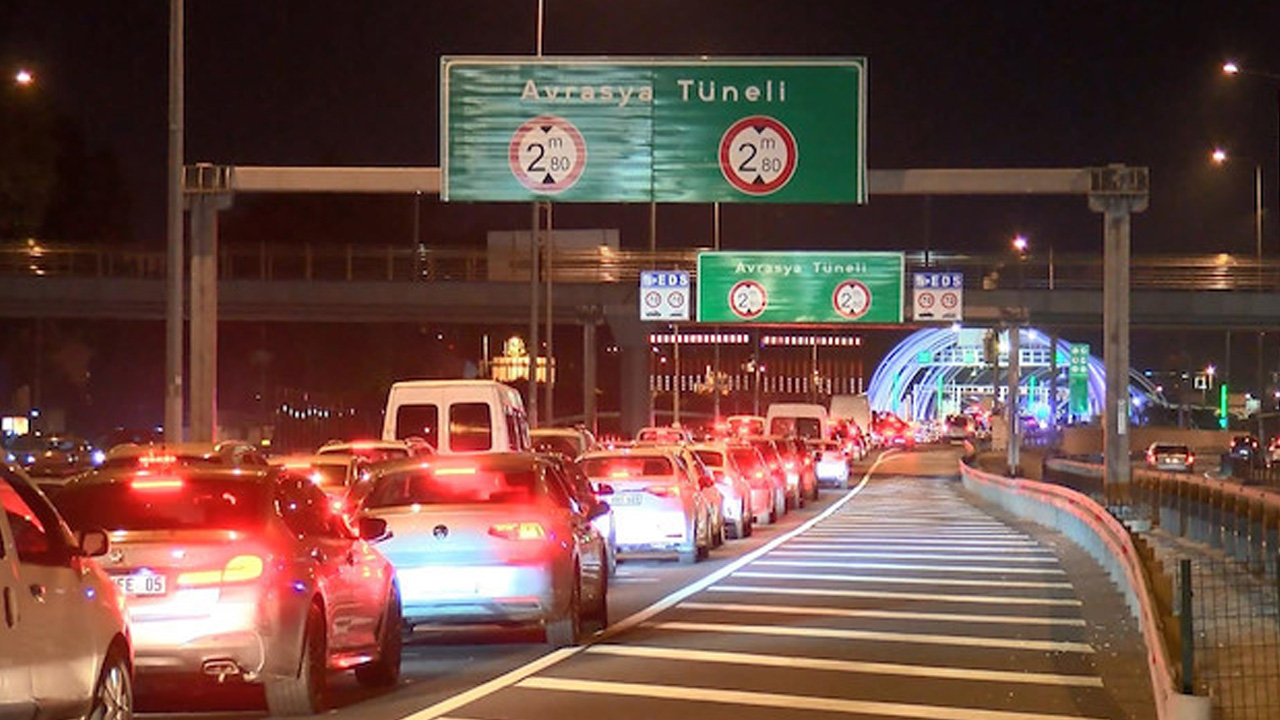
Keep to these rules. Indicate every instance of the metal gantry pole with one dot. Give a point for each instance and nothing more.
(550, 245)
(534, 279)
(173, 411)
(715, 359)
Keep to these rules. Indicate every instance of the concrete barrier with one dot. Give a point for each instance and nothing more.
(1091, 527)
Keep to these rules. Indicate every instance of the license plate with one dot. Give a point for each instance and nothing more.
(141, 583)
(626, 498)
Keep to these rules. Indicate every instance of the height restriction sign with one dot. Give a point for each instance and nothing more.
(937, 296)
(664, 295)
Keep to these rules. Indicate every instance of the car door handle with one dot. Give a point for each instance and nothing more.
(37, 591)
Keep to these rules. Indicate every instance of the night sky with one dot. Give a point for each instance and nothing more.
(1048, 83)
(951, 85)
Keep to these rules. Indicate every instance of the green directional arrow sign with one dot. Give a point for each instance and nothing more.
(673, 130)
(800, 287)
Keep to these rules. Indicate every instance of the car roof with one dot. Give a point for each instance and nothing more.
(499, 461)
(106, 476)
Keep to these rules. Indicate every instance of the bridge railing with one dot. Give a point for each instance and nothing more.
(385, 263)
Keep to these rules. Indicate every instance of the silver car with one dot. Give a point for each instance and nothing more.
(65, 648)
(491, 538)
(659, 508)
(243, 573)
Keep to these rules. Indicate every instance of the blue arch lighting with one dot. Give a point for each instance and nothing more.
(901, 377)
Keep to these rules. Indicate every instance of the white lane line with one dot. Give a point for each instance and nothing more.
(882, 541)
(873, 636)
(973, 557)
(517, 675)
(884, 595)
(782, 701)
(910, 566)
(1019, 584)
(883, 614)
(916, 525)
(848, 666)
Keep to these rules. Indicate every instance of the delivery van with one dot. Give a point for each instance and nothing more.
(803, 420)
(458, 416)
(852, 407)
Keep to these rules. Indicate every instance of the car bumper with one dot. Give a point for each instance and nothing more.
(448, 594)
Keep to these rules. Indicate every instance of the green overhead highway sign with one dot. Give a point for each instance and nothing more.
(800, 287)
(675, 130)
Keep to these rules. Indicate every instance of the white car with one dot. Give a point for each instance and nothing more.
(656, 503)
(65, 647)
(736, 507)
(832, 464)
(491, 538)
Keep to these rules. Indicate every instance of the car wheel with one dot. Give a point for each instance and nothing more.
(566, 629)
(113, 693)
(307, 693)
(385, 671)
(599, 617)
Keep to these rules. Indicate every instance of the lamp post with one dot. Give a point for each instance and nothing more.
(1221, 157)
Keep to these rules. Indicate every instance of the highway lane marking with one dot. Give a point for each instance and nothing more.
(886, 595)
(914, 528)
(884, 614)
(848, 666)
(1011, 584)
(854, 554)
(882, 540)
(518, 675)
(1062, 646)
(910, 566)
(782, 701)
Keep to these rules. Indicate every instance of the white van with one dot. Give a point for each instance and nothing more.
(852, 407)
(458, 416)
(803, 420)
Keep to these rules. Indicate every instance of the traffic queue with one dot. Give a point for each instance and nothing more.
(214, 560)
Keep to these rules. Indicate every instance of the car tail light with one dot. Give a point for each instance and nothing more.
(664, 490)
(445, 471)
(1191, 459)
(156, 482)
(518, 531)
(239, 569)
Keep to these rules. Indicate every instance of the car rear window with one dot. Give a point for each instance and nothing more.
(452, 486)
(558, 444)
(712, 458)
(1172, 450)
(625, 466)
(165, 502)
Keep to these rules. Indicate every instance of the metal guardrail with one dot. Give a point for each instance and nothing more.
(383, 263)
(1212, 548)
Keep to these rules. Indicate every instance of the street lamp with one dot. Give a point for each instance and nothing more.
(1221, 157)
(24, 78)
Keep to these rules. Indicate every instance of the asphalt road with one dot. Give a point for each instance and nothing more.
(901, 598)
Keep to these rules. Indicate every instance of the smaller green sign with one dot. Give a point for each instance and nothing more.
(800, 287)
(1078, 379)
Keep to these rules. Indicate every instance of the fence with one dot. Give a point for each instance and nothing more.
(1210, 547)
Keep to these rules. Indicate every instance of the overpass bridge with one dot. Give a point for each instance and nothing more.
(370, 284)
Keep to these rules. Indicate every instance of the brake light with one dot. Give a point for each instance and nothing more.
(518, 531)
(664, 490)
(159, 482)
(149, 460)
(239, 569)
(1191, 459)
(455, 471)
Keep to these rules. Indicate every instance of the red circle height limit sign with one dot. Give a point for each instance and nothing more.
(547, 154)
(757, 155)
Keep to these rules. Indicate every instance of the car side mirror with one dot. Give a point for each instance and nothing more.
(604, 489)
(373, 529)
(600, 509)
(94, 543)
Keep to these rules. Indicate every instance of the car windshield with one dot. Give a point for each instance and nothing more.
(165, 502)
(452, 486)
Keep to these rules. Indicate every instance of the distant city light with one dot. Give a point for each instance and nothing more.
(1230, 68)
(24, 77)
(1219, 156)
